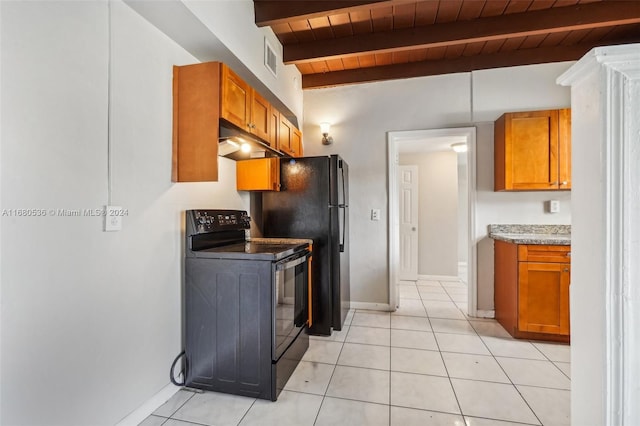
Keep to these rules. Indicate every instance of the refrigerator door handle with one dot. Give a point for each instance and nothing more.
(344, 209)
(342, 236)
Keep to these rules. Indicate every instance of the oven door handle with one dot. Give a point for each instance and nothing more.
(292, 263)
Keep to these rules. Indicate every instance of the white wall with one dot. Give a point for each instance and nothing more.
(362, 114)
(463, 210)
(437, 211)
(95, 318)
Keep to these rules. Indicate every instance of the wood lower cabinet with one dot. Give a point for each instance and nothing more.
(532, 290)
(258, 174)
(532, 151)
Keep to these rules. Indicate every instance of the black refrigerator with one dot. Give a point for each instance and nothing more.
(313, 203)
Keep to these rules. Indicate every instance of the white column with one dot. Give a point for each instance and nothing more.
(605, 266)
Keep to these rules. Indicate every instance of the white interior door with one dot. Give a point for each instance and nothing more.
(408, 179)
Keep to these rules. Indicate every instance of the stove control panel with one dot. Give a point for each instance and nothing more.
(205, 221)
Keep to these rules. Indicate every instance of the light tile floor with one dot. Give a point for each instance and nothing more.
(425, 364)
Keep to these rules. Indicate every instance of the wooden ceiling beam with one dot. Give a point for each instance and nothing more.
(458, 65)
(272, 12)
(578, 17)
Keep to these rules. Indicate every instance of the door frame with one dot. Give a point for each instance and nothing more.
(394, 140)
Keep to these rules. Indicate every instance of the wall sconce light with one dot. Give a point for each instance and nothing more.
(324, 129)
(459, 147)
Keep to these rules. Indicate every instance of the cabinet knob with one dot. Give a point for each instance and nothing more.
(564, 182)
(565, 270)
(568, 254)
(553, 183)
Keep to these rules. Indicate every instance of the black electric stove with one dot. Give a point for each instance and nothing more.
(246, 305)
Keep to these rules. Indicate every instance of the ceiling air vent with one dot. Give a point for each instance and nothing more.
(270, 57)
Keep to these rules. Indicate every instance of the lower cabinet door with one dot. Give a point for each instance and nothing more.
(543, 297)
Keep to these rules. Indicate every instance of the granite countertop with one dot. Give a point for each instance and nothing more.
(559, 235)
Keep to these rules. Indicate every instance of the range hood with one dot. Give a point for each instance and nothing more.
(237, 144)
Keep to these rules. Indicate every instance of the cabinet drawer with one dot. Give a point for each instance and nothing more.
(543, 253)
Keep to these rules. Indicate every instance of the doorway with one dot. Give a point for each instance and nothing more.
(432, 140)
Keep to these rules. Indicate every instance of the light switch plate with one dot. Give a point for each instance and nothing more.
(375, 214)
(113, 218)
(554, 206)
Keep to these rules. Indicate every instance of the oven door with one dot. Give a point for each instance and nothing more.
(290, 298)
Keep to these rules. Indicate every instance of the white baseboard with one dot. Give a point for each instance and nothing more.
(151, 405)
(462, 271)
(371, 306)
(486, 314)
(438, 278)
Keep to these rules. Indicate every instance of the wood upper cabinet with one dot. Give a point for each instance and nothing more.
(533, 151)
(260, 123)
(203, 95)
(196, 127)
(289, 138)
(274, 128)
(532, 290)
(243, 106)
(235, 102)
(258, 174)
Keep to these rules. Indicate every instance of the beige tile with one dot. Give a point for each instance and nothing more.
(493, 401)
(212, 408)
(413, 339)
(153, 421)
(310, 377)
(442, 325)
(410, 307)
(452, 284)
(174, 422)
(291, 408)
(489, 328)
(477, 421)
(336, 336)
(553, 407)
(439, 296)
(174, 403)
(322, 351)
(349, 317)
(367, 356)
(510, 347)
(371, 319)
(401, 416)
(474, 367)
(461, 343)
(423, 392)
(534, 373)
(417, 361)
(428, 283)
(361, 384)
(441, 309)
(555, 351)
(410, 323)
(336, 411)
(565, 367)
(408, 292)
(368, 335)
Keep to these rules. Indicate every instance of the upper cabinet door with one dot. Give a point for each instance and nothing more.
(564, 149)
(284, 135)
(296, 143)
(235, 102)
(260, 116)
(532, 151)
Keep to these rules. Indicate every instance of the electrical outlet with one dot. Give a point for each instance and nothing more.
(113, 218)
(375, 214)
(554, 206)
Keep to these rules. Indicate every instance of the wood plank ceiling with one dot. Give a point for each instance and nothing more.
(346, 42)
